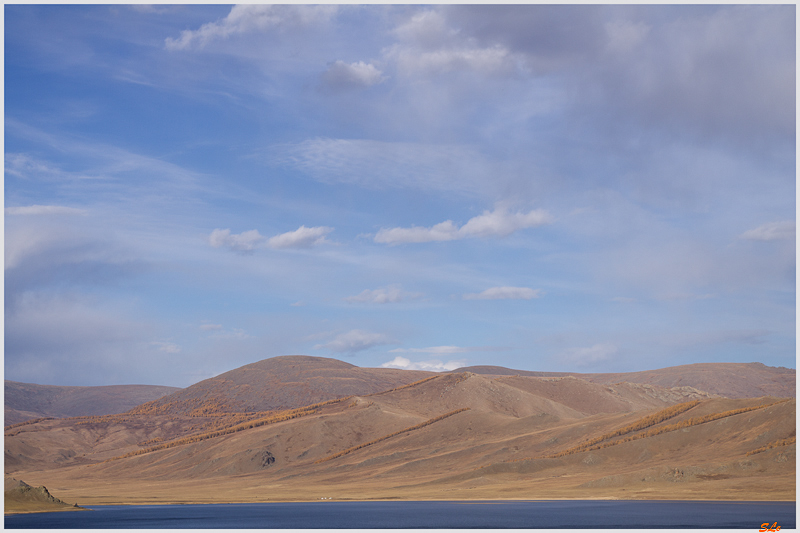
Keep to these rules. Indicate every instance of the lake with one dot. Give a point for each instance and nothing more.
(571, 514)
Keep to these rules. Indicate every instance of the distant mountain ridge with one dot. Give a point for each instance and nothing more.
(287, 382)
(732, 380)
(27, 401)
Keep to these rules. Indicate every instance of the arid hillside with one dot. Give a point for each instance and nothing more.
(732, 380)
(447, 436)
(279, 383)
(27, 401)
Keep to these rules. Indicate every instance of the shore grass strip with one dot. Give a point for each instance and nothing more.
(389, 436)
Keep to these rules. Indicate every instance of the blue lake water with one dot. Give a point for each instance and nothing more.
(572, 514)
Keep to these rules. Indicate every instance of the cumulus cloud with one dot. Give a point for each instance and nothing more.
(355, 340)
(44, 210)
(429, 45)
(342, 76)
(246, 241)
(249, 241)
(498, 223)
(505, 293)
(390, 294)
(249, 18)
(772, 231)
(302, 237)
(434, 365)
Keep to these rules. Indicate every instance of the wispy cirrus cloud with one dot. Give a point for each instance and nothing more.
(355, 340)
(497, 223)
(249, 241)
(44, 210)
(593, 354)
(250, 18)
(772, 231)
(505, 293)
(384, 295)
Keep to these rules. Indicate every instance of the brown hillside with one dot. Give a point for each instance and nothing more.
(448, 436)
(27, 401)
(279, 383)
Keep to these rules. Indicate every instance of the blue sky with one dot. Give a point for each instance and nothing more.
(189, 189)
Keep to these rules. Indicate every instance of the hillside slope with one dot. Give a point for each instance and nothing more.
(453, 436)
(279, 383)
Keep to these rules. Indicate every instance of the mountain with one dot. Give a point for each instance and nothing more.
(733, 380)
(458, 435)
(27, 401)
(279, 383)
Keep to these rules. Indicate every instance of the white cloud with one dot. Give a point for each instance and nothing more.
(429, 46)
(355, 341)
(772, 231)
(390, 294)
(210, 327)
(341, 75)
(302, 237)
(246, 241)
(44, 210)
(505, 293)
(498, 223)
(433, 365)
(252, 18)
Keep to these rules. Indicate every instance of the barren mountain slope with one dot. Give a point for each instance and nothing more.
(279, 383)
(27, 401)
(733, 380)
(452, 436)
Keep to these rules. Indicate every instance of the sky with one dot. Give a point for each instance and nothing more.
(189, 189)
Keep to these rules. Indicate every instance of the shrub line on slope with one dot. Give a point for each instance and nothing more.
(642, 423)
(27, 422)
(280, 417)
(669, 428)
(390, 435)
(782, 442)
(414, 384)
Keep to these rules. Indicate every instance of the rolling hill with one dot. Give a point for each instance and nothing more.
(458, 435)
